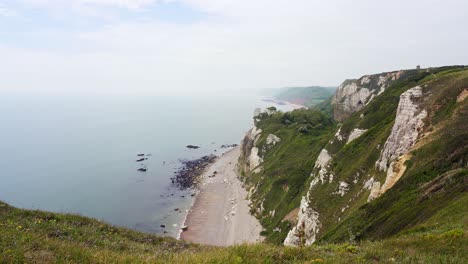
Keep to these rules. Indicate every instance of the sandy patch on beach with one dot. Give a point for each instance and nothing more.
(221, 215)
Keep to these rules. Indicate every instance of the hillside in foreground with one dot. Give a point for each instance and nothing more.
(40, 237)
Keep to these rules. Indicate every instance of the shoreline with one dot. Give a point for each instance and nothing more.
(281, 102)
(220, 213)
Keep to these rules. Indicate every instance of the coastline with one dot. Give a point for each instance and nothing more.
(288, 103)
(220, 214)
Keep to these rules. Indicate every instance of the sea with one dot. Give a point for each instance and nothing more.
(77, 154)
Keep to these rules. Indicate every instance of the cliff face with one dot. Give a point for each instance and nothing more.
(249, 153)
(405, 132)
(393, 127)
(308, 226)
(353, 95)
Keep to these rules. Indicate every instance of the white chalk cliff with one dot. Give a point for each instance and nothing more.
(307, 227)
(405, 131)
(250, 152)
(308, 224)
(353, 95)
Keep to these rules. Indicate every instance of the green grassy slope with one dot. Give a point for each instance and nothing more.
(287, 166)
(41, 237)
(436, 175)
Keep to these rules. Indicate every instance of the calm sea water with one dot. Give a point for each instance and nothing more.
(77, 154)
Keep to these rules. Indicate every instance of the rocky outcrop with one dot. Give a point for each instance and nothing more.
(254, 160)
(353, 95)
(308, 226)
(405, 131)
(343, 188)
(272, 140)
(322, 159)
(350, 97)
(321, 164)
(249, 153)
(338, 135)
(355, 134)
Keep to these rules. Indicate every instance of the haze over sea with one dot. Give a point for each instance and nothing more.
(77, 154)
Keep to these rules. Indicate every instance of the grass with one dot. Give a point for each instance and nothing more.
(40, 237)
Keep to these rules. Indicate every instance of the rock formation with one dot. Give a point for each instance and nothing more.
(250, 153)
(272, 140)
(308, 225)
(405, 131)
(353, 95)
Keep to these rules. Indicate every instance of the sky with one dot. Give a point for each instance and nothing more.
(199, 47)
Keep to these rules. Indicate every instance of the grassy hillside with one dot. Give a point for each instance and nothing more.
(41, 237)
(436, 175)
(308, 96)
(434, 182)
(286, 170)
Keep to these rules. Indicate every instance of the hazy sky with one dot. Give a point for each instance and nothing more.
(219, 46)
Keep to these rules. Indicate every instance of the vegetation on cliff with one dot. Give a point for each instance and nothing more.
(433, 184)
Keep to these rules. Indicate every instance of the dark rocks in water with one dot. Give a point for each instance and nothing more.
(142, 169)
(177, 209)
(193, 195)
(193, 147)
(229, 146)
(140, 160)
(189, 175)
(141, 155)
(184, 228)
(163, 226)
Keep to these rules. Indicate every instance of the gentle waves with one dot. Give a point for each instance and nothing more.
(78, 154)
